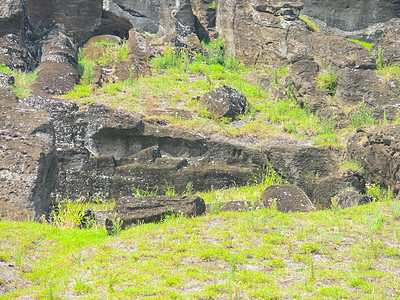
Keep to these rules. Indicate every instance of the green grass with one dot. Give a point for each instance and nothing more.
(366, 45)
(327, 80)
(251, 255)
(351, 166)
(310, 23)
(363, 116)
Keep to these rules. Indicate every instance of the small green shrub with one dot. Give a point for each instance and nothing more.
(380, 59)
(22, 80)
(309, 248)
(363, 116)
(67, 214)
(80, 91)
(85, 69)
(327, 80)
(351, 166)
(112, 53)
(169, 59)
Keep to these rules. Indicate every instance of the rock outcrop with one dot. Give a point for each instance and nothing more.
(377, 150)
(350, 15)
(28, 162)
(315, 170)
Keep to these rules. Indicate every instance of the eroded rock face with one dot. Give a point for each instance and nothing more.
(272, 34)
(389, 46)
(13, 53)
(11, 16)
(315, 171)
(352, 15)
(172, 20)
(27, 158)
(287, 198)
(77, 19)
(377, 150)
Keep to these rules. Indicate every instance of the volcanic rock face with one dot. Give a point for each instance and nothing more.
(28, 162)
(377, 150)
(351, 15)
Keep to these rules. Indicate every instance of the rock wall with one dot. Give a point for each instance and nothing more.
(352, 15)
(28, 162)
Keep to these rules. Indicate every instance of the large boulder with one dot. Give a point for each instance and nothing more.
(27, 158)
(225, 102)
(137, 210)
(57, 71)
(286, 198)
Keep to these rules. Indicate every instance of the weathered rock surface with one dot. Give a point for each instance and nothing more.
(377, 150)
(389, 46)
(172, 20)
(28, 163)
(287, 198)
(352, 15)
(272, 34)
(57, 71)
(11, 16)
(75, 18)
(14, 54)
(314, 170)
(137, 210)
(225, 102)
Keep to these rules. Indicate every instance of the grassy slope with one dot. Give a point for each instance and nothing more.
(352, 253)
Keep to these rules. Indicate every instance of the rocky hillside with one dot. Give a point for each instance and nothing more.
(101, 97)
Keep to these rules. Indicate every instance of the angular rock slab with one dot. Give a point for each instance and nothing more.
(136, 210)
(225, 101)
(288, 198)
(28, 163)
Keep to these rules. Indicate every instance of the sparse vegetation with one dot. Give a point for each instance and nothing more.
(351, 166)
(22, 81)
